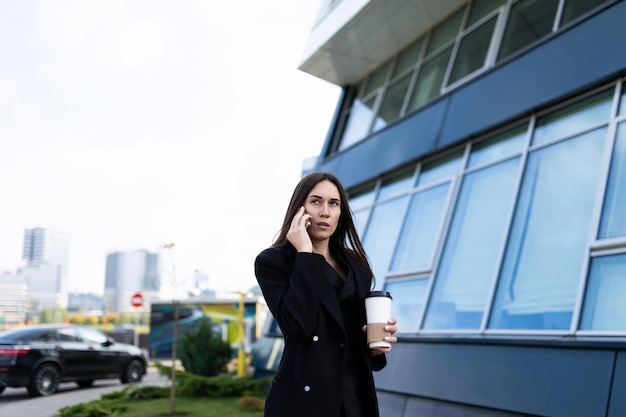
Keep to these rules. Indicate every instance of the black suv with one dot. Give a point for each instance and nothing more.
(42, 356)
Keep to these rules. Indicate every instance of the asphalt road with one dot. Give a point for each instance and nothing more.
(15, 402)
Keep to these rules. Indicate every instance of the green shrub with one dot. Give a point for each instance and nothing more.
(197, 386)
(220, 386)
(135, 392)
(147, 393)
(166, 371)
(120, 395)
(249, 403)
(114, 403)
(102, 408)
(202, 352)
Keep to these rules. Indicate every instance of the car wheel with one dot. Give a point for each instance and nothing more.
(133, 372)
(44, 381)
(2, 389)
(84, 383)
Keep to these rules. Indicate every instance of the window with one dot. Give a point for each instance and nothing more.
(529, 21)
(574, 118)
(409, 57)
(394, 100)
(358, 123)
(604, 304)
(614, 210)
(441, 168)
(430, 80)
(481, 8)
(545, 251)
(396, 185)
(420, 229)
(377, 79)
(360, 204)
(445, 32)
(384, 224)
(576, 8)
(402, 76)
(408, 299)
(359, 119)
(473, 51)
(500, 146)
(381, 235)
(470, 257)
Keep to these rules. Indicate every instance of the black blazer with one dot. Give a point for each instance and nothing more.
(304, 304)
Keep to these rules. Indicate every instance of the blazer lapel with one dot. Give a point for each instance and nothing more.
(329, 301)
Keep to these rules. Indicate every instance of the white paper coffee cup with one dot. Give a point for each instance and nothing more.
(378, 311)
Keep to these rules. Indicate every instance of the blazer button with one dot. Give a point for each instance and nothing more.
(315, 338)
(307, 388)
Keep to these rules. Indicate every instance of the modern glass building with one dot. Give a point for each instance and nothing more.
(44, 245)
(46, 253)
(14, 300)
(483, 145)
(129, 272)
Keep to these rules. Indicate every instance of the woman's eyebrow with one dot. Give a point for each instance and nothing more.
(321, 198)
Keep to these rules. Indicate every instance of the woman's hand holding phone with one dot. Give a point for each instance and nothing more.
(298, 235)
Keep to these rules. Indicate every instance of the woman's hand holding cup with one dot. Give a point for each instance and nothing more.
(391, 328)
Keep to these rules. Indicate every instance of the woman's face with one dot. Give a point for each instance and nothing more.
(324, 206)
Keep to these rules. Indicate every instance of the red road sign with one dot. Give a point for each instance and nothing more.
(137, 300)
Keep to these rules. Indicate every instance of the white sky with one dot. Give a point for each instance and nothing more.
(132, 124)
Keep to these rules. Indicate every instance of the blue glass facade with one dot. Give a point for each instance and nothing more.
(486, 164)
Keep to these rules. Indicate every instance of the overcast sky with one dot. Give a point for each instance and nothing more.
(132, 124)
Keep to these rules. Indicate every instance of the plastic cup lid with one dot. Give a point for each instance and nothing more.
(378, 294)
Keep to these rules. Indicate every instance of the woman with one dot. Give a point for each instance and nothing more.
(315, 287)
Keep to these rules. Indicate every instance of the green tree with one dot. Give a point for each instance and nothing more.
(111, 318)
(76, 318)
(144, 318)
(203, 352)
(53, 315)
(90, 320)
(127, 318)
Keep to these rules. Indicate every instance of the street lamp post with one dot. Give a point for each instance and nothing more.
(169, 247)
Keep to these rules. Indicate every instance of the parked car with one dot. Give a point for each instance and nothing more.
(40, 357)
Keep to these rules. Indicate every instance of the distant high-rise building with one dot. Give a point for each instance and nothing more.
(201, 285)
(129, 272)
(46, 252)
(46, 285)
(14, 300)
(46, 246)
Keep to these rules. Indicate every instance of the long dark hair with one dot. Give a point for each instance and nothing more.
(345, 233)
